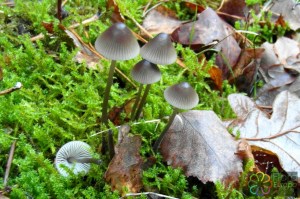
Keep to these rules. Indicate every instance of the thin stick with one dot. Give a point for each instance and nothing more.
(7, 91)
(142, 103)
(273, 136)
(136, 123)
(9, 161)
(148, 193)
(162, 135)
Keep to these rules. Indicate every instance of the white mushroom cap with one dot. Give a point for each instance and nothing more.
(181, 96)
(71, 151)
(145, 72)
(159, 50)
(117, 43)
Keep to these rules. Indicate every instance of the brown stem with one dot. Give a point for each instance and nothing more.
(9, 161)
(137, 100)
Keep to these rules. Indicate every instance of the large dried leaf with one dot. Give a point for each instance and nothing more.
(198, 142)
(124, 169)
(209, 28)
(279, 133)
(289, 10)
(161, 19)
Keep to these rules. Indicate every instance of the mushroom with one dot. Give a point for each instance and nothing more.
(159, 50)
(147, 73)
(115, 43)
(180, 96)
(76, 156)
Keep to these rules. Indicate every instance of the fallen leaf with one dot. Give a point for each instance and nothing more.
(86, 54)
(116, 15)
(124, 172)
(198, 142)
(216, 75)
(210, 28)
(265, 160)
(281, 67)
(161, 19)
(194, 7)
(289, 9)
(114, 114)
(278, 133)
(231, 15)
(245, 71)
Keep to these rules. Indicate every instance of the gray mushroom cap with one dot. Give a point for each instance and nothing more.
(181, 96)
(117, 43)
(70, 151)
(159, 50)
(145, 72)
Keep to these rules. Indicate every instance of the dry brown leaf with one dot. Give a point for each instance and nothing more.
(124, 171)
(209, 28)
(289, 10)
(232, 15)
(85, 54)
(279, 133)
(245, 71)
(198, 142)
(161, 19)
(216, 75)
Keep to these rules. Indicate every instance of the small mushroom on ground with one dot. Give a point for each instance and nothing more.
(147, 73)
(159, 50)
(76, 156)
(115, 43)
(180, 96)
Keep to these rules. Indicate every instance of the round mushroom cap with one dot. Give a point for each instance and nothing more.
(117, 43)
(159, 50)
(181, 96)
(145, 72)
(70, 151)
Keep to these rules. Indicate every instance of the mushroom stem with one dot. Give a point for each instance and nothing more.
(161, 137)
(84, 160)
(111, 144)
(105, 108)
(107, 91)
(143, 100)
(133, 111)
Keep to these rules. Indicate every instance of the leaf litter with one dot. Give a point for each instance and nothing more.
(279, 132)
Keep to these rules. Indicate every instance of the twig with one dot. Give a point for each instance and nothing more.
(136, 123)
(9, 161)
(148, 193)
(273, 136)
(16, 87)
(87, 21)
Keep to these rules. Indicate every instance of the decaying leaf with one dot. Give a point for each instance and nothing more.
(290, 11)
(209, 28)
(245, 71)
(279, 133)
(85, 54)
(124, 170)
(161, 19)
(198, 142)
(216, 75)
(281, 66)
(232, 15)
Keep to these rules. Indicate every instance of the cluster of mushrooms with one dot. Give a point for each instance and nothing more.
(117, 43)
